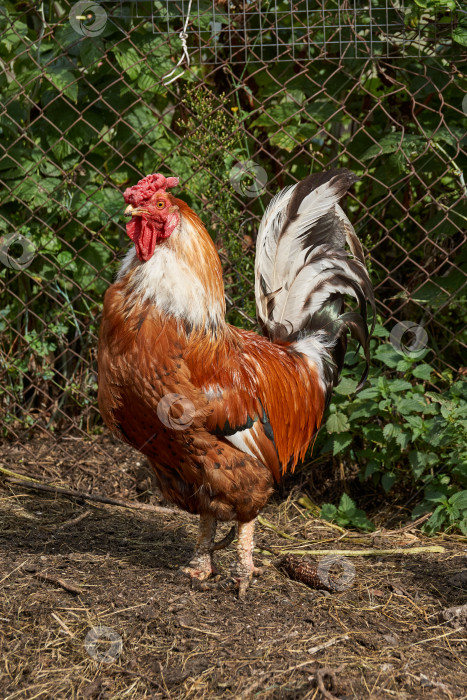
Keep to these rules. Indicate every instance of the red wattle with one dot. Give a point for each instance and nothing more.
(144, 235)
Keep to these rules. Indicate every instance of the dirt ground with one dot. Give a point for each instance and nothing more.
(92, 603)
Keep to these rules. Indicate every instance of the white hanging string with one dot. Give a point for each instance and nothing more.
(185, 56)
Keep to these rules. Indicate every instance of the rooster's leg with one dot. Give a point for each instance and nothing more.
(202, 566)
(245, 567)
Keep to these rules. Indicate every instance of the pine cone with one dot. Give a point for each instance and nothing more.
(303, 571)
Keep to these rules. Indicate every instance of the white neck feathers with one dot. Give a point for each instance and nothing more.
(174, 279)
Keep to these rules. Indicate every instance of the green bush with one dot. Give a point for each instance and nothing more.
(407, 431)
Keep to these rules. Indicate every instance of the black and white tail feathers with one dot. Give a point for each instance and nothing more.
(304, 273)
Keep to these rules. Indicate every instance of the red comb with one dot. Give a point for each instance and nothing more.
(146, 187)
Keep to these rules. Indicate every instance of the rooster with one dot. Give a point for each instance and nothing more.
(221, 412)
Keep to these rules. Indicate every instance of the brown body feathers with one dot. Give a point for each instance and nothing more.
(222, 412)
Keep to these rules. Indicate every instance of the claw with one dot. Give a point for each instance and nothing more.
(199, 574)
(200, 567)
(243, 586)
(243, 582)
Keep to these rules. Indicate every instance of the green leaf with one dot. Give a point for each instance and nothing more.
(403, 439)
(360, 520)
(346, 514)
(396, 385)
(459, 499)
(337, 443)
(149, 82)
(288, 139)
(408, 144)
(346, 386)
(391, 431)
(337, 423)
(388, 355)
(437, 520)
(436, 493)
(371, 392)
(373, 433)
(366, 409)
(277, 115)
(346, 504)
(405, 364)
(410, 405)
(443, 400)
(423, 371)
(459, 34)
(321, 110)
(340, 442)
(420, 461)
(64, 81)
(328, 511)
(373, 467)
(91, 51)
(143, 124)
(380, 331)
(388, 480)
(129, 59)
(349, 514)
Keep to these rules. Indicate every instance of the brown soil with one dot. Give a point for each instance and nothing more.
(68, 566)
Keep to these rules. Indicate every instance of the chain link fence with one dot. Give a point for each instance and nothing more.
(97, 95)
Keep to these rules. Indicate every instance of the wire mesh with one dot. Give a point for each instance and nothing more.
(266, 30)
(86, 114)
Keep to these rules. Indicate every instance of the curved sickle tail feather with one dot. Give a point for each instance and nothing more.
(304, 272)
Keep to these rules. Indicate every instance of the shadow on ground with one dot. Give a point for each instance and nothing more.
(68, 568)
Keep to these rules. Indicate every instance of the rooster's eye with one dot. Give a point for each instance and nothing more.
(160, 205)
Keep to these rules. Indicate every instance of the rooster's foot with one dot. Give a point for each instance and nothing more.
(243, 579)
(245, 567)
(200, 567)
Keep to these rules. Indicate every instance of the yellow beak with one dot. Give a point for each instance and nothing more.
(134, 211)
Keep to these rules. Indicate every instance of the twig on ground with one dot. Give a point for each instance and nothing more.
(435, 549)
(71, 493)
(74, 521)
(70, 587)
(12, 572)
(325, 645)
(198, 629)
(8, 472)
(265, 523)
(63, 625)
(415, 523)
(439, 636)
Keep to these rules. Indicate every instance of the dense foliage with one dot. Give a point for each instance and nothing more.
(407, 429)
(85, 116)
